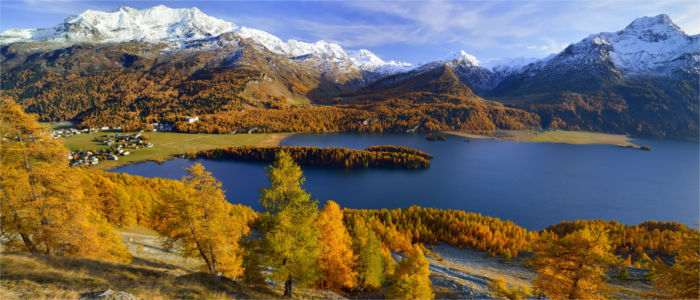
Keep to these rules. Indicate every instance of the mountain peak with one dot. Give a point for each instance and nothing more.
(461, 57)
(154, 24)
(655, 22)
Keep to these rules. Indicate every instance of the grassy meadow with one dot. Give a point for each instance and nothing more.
(558, 136)
(168, 144)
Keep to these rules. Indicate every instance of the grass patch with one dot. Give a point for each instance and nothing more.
(581, 137)
(560, 136)
(168, 144)
(27, 276)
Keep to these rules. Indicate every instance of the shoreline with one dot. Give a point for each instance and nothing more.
(557, 137)
(273, 139)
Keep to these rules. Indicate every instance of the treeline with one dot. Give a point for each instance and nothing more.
(497, 237)
(634, 242)
(399, 149)
(454, 227)
(373, 157)
(393, 115)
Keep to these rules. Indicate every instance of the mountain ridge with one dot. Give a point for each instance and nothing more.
(605, 82)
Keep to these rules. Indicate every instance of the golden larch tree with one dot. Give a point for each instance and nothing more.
(573, 266)
(411, 279)
(680, 280)
(337, 259)
(43, 204)
(199, 222)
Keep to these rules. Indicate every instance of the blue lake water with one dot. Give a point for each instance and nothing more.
(532, 184)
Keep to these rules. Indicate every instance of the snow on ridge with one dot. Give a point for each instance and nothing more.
(650, 45)
(461, 57)
(125, 24)
(363, 59)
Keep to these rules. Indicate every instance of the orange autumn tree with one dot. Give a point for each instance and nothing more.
(573, 266)
(336, 258)
(43, 205)
(199, 222)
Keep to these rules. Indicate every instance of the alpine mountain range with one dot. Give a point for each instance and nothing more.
(641, 80)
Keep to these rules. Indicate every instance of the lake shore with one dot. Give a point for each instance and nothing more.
(562, 137)
(168, 145)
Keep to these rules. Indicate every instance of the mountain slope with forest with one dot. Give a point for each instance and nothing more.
(159, 65)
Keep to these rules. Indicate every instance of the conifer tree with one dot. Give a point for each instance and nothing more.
(43, 205)
(199, 222)
(681, 280)
(573, 266)
(370, 264)
(292, 235)
(411, 279)
(336, 258)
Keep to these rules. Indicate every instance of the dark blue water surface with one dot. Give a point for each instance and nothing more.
(532, 184)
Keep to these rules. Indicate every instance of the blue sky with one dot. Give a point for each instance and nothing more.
(413, 31)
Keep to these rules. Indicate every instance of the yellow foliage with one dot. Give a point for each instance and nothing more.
(336, 258)
(499, 286)
(198, 221)
(44, 206)
(682, 279)
(572, 267)
(411, 279)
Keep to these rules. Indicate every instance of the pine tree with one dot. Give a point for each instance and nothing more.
(573, 266)
(292, 235)
(199, 222)
(336, 258)
(411, 279)
(43, 204)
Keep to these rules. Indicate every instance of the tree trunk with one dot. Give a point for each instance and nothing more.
(288, 288)
(25, 238)
(28, 243)
(201, 251)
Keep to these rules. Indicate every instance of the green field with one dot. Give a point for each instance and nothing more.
(168, 144)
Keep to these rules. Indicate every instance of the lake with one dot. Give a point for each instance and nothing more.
(531, 184)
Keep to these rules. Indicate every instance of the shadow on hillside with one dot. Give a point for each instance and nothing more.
(138, 261)
(142, 276)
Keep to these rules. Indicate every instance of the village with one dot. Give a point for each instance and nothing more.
(118, 145)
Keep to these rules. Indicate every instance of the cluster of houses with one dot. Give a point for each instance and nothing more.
(119, 145)
(82, 158)
(162, 127)
(66, 132)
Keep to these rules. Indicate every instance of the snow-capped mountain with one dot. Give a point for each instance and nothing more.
(485, 76)
(649, 46)
(155, 24)
(188, 26)
(652, 45)
(363, 59)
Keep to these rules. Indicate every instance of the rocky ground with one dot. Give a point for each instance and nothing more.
(466, 274)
